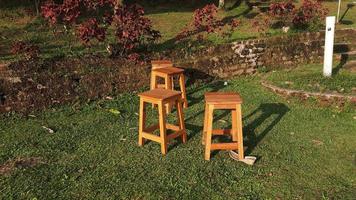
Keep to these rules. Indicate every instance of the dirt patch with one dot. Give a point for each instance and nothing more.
(18, 163)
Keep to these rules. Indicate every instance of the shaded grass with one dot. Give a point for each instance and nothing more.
(310, 78)
(304, 152)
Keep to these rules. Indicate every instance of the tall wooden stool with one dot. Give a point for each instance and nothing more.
(161, 97)
(168, 73)
(156, 64)
(224, 101)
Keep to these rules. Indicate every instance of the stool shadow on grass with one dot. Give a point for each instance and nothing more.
(267, 110)
(264, 112)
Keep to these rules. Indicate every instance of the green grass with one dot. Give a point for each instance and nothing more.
(310, 78)
(305, 152)
(169, 19)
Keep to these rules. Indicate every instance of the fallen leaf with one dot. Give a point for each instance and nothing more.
(48, 129)
(114, 111)
(109, 98)
(222, 121)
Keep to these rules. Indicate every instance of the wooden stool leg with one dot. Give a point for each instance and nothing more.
(183, 90)
(209, 133)
(234, 125)
(172, 82)
(180, 116)
(239, 132)
(153, 83)
(142, 122)
(168, 86)
(205, 124)
(162, 127)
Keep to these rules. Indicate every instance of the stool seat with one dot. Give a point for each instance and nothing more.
(160, 94)
(169, 70)
(222, 98)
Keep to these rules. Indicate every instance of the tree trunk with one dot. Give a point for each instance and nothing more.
(221, 4)
(37, 6)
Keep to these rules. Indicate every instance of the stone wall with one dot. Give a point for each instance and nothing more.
(245, 57)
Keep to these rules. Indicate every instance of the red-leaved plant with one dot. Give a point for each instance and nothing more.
(90, 29)
(132, 28)
(309, 15)
(206, 20)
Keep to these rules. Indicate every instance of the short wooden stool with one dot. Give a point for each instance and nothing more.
(161, 97)
(168, 73)
(224, 101)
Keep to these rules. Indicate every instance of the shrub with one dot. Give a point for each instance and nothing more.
(282, 12)
(51, 12)
(281, 9)
(309, 15)
(132, 28)
(89, 30)
(205, 18)
(24, 48)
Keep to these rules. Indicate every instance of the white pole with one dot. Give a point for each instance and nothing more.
(329, 45)
(338, 12)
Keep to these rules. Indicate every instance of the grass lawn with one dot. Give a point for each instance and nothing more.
(305, 152)
(310, 78)
(169, 19)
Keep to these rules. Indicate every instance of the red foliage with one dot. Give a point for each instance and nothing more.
(311, 11)
(205, 18)
(281, 9)
(132, 28)
(70, 10)
(51, 11)
(26, 49)
(89, 30)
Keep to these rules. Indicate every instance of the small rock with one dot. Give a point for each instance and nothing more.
(285, 29)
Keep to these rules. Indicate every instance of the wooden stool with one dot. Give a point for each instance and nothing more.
(156, 64)
(225, 101)
(161, 97)
(167, 73)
